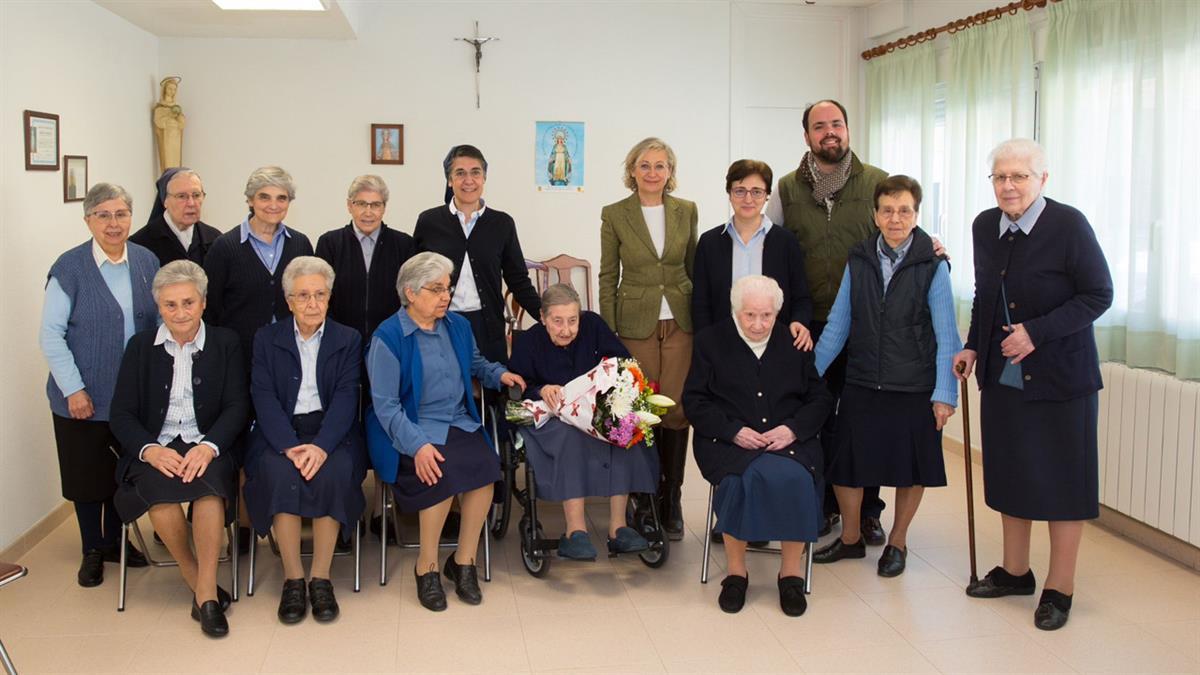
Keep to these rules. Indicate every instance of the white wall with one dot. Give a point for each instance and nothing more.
(98, 73)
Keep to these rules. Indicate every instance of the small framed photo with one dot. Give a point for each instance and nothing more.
(75, 178)
(41, 141)
(387, 143)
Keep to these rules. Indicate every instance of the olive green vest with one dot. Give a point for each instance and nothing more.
(827, 237)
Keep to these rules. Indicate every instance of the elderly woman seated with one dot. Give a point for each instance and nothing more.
(305, 457)
(757, 404)
(424, 431)
(568, 464)
(178, 407)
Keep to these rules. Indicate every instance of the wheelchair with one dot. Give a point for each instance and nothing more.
(538, 551)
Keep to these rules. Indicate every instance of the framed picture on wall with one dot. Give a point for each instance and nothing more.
(387, 143)
(41, 141)
(75, 178)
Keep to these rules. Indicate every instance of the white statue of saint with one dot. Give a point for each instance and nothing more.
(169, 121)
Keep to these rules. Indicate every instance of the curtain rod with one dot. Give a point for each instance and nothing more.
(954, 26)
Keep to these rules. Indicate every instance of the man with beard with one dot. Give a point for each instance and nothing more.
(828, 202)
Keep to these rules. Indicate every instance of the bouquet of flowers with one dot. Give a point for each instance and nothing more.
(613, 402)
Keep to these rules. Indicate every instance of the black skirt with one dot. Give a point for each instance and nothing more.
(87, 459)
(887, 438)
(470, 464)
(143, 486)
(274, 484)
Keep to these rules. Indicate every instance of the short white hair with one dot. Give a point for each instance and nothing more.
(180, 272)
(368, 182)
(755, 284)
(1024, 150)
(302, 266)
(419, 270)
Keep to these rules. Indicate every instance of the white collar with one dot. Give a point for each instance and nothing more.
(316, 334)
(180, 231)
(164, 335)
(360, 235)
(455, 211)
(101, 257)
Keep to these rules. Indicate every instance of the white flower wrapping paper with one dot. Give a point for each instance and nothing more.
(578, 406)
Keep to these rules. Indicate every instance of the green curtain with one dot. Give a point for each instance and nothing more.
(900, 112)
(1121, 127)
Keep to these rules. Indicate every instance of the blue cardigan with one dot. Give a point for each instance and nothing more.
(1058, 284)
(385, 458)
(275, 385)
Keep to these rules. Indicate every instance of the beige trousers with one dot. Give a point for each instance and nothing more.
(666, 356)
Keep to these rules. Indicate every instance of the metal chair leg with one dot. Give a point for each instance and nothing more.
(121, 591)
(235, 556)
(7, 661)
(808, 563)
(707, 535)
(383, 535)
(253, 561)
(357, 555)
(487, 544)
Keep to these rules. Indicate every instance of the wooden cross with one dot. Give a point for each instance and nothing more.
(477, 42)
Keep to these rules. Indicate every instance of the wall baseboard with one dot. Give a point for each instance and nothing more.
(37, 533)
(1118, 523)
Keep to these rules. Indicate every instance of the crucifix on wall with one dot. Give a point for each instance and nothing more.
(477, 42)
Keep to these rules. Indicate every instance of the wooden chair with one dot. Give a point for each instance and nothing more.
(561, 270)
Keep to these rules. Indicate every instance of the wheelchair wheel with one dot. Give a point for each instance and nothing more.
(535, 563)
(660, 547)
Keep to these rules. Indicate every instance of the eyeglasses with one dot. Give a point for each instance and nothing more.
(186, 196)
(741, 192)
(373, 206)
(304, 298)
(904, 212)
(107, 216)
(1017, 179)
(460, 174)
(439, 290)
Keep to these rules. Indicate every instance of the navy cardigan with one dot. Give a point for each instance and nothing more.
(275, 385)
(782, 260)
(1058, 284)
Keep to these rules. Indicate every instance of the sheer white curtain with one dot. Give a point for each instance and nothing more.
(989, 99)
(900, 115)
(1120, 116)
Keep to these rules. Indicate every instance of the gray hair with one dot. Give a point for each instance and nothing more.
(755, 284)
(636, 152)
(559, 294)
(369, 182)
(180, 272)
(270, 176)
(184, 173)
(302, 266)
(102, 192)
(1024, 150)
(419, 270)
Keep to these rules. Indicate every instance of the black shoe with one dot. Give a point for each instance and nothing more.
(791, 596)
(244, 537)
(344, 545)
(733, 593)
(717, 537)
(466, 581)
(429, 590)
(1053, 610)
(891, 563)
(827, 525)
(872, 531)
(838, 551)
(133, 557)
(91, 570)
(320, 595)
(673, 508)
(450, 527)
(211, 618)
(376, 526)
(293, 606)
(999, 583)
(224, 599)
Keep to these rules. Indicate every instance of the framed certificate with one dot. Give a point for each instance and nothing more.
(41, 141)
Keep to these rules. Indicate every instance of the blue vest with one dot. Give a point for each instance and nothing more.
(96, 327)
(385, 458)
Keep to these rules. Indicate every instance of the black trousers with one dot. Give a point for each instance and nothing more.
(835, 379)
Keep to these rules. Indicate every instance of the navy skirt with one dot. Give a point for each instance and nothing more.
(774, 499)
(471, 463)
(568, 463)
(143, 486)
(887, 438)
(274, 484)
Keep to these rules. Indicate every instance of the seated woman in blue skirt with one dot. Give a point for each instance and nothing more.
(568, 464)
(423, 431)
(757, 405)
(178, 408)
(306, 456)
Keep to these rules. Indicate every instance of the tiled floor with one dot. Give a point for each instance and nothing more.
(1134, 612)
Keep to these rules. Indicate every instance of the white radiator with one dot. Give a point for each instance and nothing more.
(1149, 452)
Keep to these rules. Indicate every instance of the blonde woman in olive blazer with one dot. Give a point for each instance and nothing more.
(647, 246)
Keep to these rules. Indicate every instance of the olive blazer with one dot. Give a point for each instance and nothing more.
(634, 278)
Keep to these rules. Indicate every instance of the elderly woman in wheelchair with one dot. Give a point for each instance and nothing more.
(566, 464)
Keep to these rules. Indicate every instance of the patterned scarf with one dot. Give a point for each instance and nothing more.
(824, 185)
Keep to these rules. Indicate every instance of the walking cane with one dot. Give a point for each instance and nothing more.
(966, 409)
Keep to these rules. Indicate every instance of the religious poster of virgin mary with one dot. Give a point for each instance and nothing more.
(558, 156)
